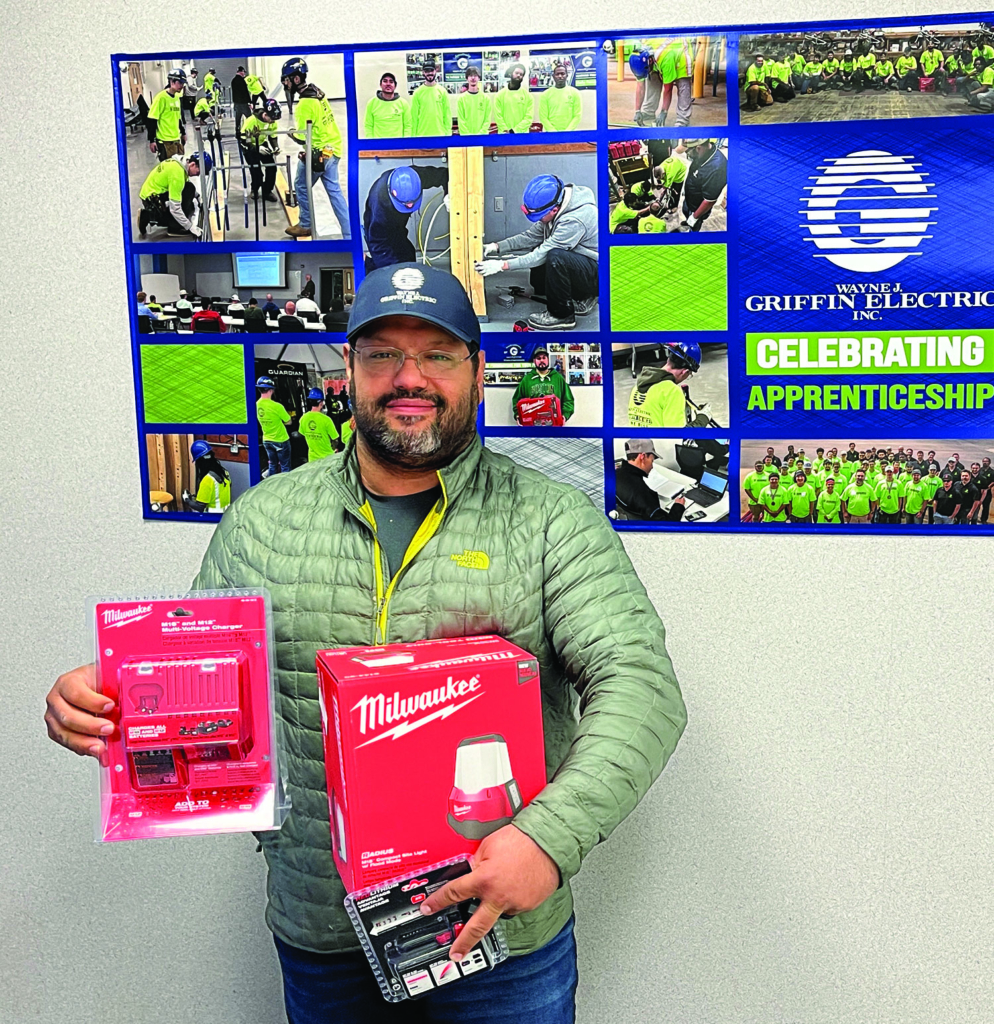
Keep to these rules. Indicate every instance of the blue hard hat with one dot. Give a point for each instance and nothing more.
(404, 189)
(264, 383)
(271, 108)
(688, 351)
(641, 63)
(176, 73)
(315, 394)
(203, 161)
(199, 449)
(294, 66)
(542, 194)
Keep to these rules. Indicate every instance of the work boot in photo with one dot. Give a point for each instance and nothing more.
(584, 307)
(298, 231)
(545, 321)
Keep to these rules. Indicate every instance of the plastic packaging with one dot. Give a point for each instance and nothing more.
(196, 749)
(409, 951)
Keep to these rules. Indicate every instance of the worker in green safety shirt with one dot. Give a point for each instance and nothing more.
(801, 499)
(205, 114)
(863, 75)
(388, 116)
(830, 76)
(209, 79)
(915, 493)
(624, 218)
(653, 223)
(884, 75)
(757, 92)
(168, 196)
(164, 121)
(858, 500)
(560, 106)
(431, 112)
(260, 146)
(774, 500)
(273, 419)
(257, 90)
(906, 68)
(317, 428)
(889, 497)
(474, 108)
(513, 104)
(829, 503)
(753, 486)
(213, 484)
(660, 397)
(542, 381)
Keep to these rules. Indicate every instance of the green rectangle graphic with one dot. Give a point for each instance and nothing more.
(669, 288)
(193, 383)
(941, 351)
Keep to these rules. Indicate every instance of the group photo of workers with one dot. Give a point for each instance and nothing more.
(217, 148)
(301, 405)
(673, 385)
(542, 384)
(851, 74)
(251, 292)
(662, 480)
(519, 91)
(886, 483)
(199, 473)
(519, 230)
(668, 82)
(661, 186)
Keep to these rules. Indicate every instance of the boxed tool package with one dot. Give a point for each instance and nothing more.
(408, 950)
(195, 749)
(429, 747)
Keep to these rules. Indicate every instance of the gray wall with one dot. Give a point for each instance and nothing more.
(819, 850)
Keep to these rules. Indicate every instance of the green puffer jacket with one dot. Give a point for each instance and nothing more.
(555, 580)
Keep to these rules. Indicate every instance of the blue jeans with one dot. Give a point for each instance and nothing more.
(339, 988)
(329, 178)
(943, 520)
(278, 453)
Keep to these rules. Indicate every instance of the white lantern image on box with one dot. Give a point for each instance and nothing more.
(485, 795)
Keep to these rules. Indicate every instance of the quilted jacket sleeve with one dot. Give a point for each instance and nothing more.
(611, 643)
(218, 570)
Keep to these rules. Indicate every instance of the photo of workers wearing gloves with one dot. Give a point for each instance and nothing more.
(674, 384)
(671, 82)
(523, 226)
(515, 91)
(660, 186)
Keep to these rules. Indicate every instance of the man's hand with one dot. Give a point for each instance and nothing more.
(511, 874)
(487, 268)
(73, 709)
(490, 249)
(151, 147)
(447, 201)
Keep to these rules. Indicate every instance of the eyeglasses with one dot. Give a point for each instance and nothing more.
(383, 362)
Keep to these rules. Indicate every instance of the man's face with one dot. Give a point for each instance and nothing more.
(193, 169)
(830, 485)
(472, 83)
(645, 461)
(860, 477)
(769, 452)
(768, 461)
(955, 456)
(964, 477)
(987, 463)
(931, 455)
(429, 74)
(933, 471)
(175, 85)
(759, 467)
(559, 77)
(541, 361)
(408, 419)
(517, 75)
(852, 446)
(388, 85)
(760, 61)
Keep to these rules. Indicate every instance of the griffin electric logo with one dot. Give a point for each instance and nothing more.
(375, 712)
(868, 210)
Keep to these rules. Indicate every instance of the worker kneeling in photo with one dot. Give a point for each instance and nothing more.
(559, 248)
(169, 198)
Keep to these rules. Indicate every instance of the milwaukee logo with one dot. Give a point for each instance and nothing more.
(868, 210)
(113, 617)
(376, 712)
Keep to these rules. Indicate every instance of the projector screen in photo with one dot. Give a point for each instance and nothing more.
(259, 269)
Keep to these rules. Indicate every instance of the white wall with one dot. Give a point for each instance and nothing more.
(818, 851)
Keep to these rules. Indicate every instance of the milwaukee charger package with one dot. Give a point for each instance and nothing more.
(429, 747)
(408, 950)
(195, 749)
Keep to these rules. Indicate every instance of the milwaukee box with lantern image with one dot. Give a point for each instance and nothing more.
(429, 747)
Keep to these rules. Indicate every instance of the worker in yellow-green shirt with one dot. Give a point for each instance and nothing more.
(474, 108)
(884, 75)
(317, 428)
(653, 223)
(560, 107)
(753, 486)
(431, 112)
(830, 76)
(314, 108)
(774, 500)
(513, 109)
(659, 398)
(624, 217)
(256, 89)
(890, 498)
(757, 92)
(829, 503)
(164, 120)
(915, 497)
(858, 500)
(260, 147)
(209, 79)
(273, 419)
(801, 497)
(981, 97)
(863, 75)
(388, 115)
(906, 69)
(213, 482)
(168, 196)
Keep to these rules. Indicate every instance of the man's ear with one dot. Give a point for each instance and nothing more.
(479, 376)
(346, 353)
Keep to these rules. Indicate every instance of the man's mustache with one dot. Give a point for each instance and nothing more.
(422, 396)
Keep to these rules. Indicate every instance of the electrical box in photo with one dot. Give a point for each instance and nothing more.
(429, 747)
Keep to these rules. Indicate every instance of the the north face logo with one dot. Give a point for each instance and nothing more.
(472, 559)
(868, 210)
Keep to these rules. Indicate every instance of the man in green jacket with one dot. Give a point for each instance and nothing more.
(370, 546)
(542, 381)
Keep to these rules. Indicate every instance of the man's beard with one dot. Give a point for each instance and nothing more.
(514, 84)
(560, 83)
(430, 447)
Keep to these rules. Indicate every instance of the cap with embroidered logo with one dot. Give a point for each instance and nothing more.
(412, 289)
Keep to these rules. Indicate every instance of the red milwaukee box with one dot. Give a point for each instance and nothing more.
(429, 747)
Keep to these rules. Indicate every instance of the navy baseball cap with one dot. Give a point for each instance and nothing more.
(413, 289)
